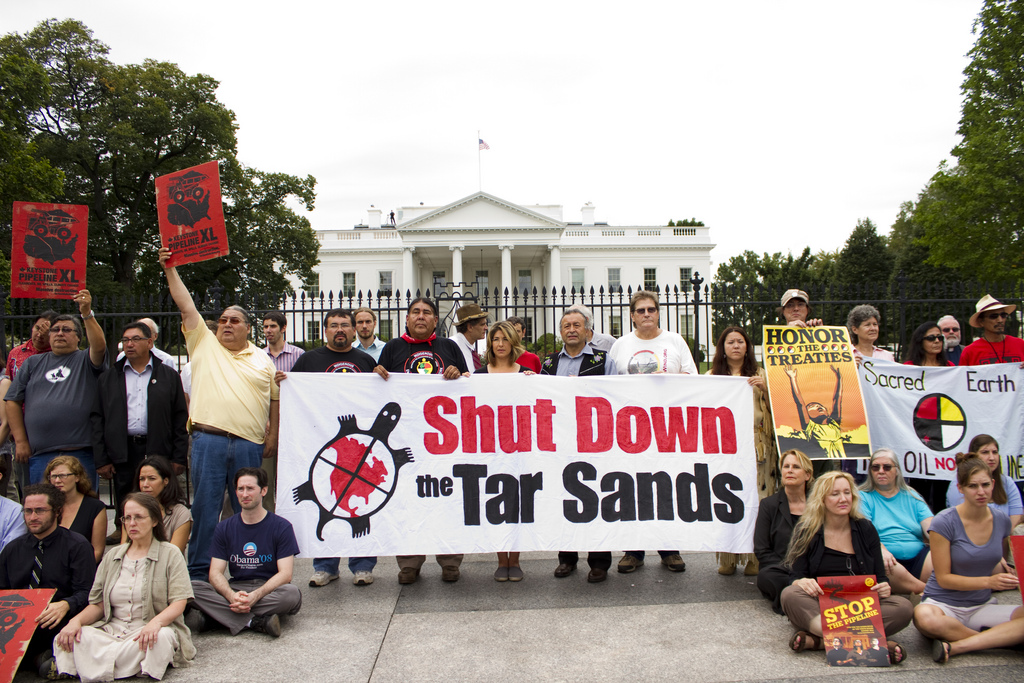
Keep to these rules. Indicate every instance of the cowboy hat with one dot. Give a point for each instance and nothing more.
(989, 303)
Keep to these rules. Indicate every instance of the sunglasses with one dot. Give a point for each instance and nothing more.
(934, 337)
(643, 311)
(950, 329)
(881, 468)
(998, 316)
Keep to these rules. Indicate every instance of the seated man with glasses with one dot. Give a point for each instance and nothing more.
(57, 390)
(902, 519)
(48, 556)
(233, 399)
(141, 411)
(994, 345)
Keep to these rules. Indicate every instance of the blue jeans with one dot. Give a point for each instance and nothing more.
(38, 462)
(355, 564)
(215, 459)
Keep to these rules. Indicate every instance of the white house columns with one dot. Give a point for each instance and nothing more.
(457, 266)
(408, 269)
(554, 267)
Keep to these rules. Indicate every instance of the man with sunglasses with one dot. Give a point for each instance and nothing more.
(649, 350)
(902, 520)
(233, 397)
(994, 345)
(57, 390)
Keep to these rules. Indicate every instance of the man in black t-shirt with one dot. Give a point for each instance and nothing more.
(420, 351)
(338, 356)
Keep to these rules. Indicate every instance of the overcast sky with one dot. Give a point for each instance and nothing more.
(777, 123)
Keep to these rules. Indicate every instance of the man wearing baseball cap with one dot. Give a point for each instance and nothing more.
(994, 345)
(472, 327)
(795, 308)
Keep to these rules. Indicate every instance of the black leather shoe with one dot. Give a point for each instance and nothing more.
(563, 570)
(597, 576)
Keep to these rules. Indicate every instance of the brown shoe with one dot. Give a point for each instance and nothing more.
(751, 568)
(450, 574)
(629, 564)
(563, 570)
(674, 563)
(597, 576)
(408, 575)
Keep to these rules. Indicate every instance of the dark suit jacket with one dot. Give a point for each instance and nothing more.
(773, 529)
(166, 410)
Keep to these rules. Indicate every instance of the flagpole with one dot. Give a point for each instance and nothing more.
(479, 173)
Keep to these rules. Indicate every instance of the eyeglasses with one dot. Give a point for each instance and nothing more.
(133, 340)
(134, 519)
(60, 477)
(28, 512)
(232, 321)
(934, 337)
(643, 311)
(68, 330)
(998, 316)
(882, 468)
(339, 326)
(950, 329)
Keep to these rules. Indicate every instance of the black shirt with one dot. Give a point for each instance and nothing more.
(324, 359)
(68, 565)
(425, 358)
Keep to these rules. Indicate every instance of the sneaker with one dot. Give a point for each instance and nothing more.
(267, 623)
(321, 579)
(450, 574)
(674, 563)
(363, 578)
(408, 575)
(196, 621)
(629, 564)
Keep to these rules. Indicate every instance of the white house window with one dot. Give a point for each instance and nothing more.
(615, 325)
(614, 280)
(525, 281)
(384, 330)
(348, 284)
(577, 278)
(312, 330)
(684, 279)
(482, 280)
(312, 286)
(650, 279)
(385, 281)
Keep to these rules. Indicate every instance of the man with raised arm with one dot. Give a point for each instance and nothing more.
(232, 399)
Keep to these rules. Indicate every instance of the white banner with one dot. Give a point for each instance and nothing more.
(928, 415)
(421, 465)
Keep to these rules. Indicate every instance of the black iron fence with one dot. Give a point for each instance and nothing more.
(699, 313)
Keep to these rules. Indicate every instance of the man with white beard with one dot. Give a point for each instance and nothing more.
(951, 331)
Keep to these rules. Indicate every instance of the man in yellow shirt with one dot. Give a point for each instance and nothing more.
(233, 397)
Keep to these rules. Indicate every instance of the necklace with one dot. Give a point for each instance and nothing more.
(1002, 346)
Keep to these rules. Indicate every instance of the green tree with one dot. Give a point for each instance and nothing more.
(911, 254)
(975, 219)
(113, 129)
(865, 259)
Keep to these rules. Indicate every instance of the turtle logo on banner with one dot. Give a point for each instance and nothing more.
(354, 475)
(940, 422)
(50, 236)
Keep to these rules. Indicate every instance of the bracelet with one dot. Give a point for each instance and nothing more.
(92, 314)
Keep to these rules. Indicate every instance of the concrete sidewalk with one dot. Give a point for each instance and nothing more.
(650, 625)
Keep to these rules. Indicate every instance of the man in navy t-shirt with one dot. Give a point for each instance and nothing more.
(259, 548)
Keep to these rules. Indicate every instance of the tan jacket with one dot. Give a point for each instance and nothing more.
(166, 581)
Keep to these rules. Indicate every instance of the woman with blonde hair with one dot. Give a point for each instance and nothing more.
(834, 539)
(84, 512)
(503, 348)
(776, 517)
(734, 356)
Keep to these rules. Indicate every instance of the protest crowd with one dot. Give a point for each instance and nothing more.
(138, 599)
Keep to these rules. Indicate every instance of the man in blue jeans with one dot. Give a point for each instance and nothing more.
(233, 398)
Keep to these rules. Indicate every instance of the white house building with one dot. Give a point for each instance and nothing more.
(481, 242)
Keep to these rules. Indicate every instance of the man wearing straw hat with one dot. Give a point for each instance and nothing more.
(994, 345)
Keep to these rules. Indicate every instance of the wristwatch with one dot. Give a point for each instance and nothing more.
(91, 314)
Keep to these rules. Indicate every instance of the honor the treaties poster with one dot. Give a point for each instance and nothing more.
(815, 393)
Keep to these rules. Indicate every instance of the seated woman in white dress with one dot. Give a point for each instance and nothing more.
(133, 622)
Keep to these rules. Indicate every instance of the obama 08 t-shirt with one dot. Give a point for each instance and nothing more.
(252, 550)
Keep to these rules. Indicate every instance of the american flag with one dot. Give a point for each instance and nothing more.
(484, 145)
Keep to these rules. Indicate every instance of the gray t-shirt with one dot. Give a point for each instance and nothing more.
(58, 393)
(967, 559)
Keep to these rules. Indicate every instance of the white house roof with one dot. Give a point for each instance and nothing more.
(480, 211)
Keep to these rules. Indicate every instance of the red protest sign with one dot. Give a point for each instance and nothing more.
(191, 215)
(18, 612)
(851, 621)
(1017, 550)
(48, 248)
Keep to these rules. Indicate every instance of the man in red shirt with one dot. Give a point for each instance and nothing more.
(994, 345)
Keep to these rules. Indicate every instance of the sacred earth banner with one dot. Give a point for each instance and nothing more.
(18, 612)
(48, 249)
(816, 401)
(421, 465)
(850, 613)
(928, 415)
(191, 214)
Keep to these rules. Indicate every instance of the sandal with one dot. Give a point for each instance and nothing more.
(940, 651)
(897, 653)
(802, 640)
